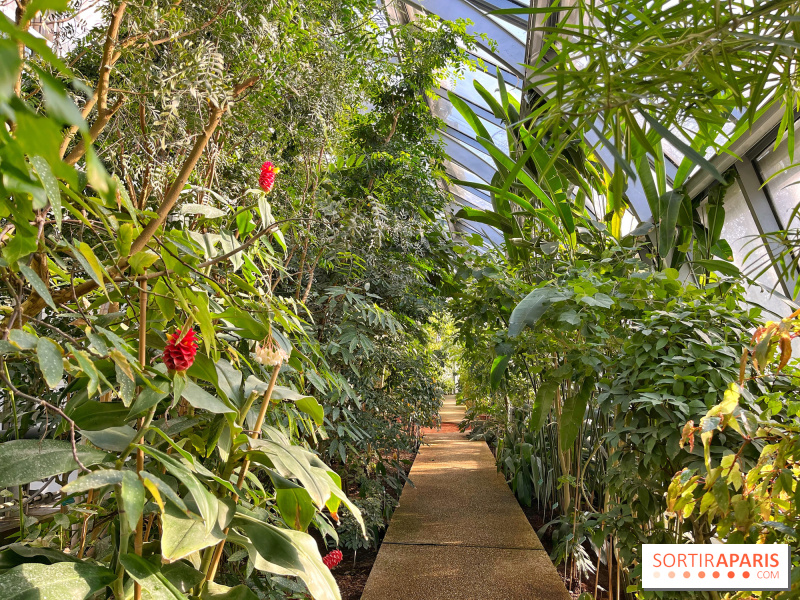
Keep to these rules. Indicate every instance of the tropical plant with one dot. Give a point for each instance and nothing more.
(163, 332)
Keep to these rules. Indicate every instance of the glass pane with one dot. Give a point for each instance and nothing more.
(515, 30)
(740, 230)
(465, 88)
(444, 109)
(784, 189)
(465, 194)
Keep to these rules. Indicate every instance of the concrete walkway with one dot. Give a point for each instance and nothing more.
(458, 533)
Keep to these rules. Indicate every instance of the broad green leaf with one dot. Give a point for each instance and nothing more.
(532, 307)
(50, 184)
(311, 407)
(23, 339)
(132, 498)
(165, 303)
(164, 490)
(647, 181)
(294, 502)
(469, 115)
(724, 267)
(203, 316)
(292, 462)
(98, 177)
(94, 480)
(544, 401)
(23, 461)
(499, 366)
(308, 404)
(288, 552)
(573, 412)
(154, 583)
(207, 504)
(58, 103)
(149, 397)
(59, 581)
(723, 250)
(141, 261)
(96, 416)
(229, 244)
(89, 262)
(183, 535)
(338, 496)
(182, 576)
(124, 241)
(86, 363)
(9, 67)
(671, 202)
(199, 398)
(215, 591)
(125, 378)
(487, 217)
(209, 212)
(51, 361)
(18, 554)
(113, 439)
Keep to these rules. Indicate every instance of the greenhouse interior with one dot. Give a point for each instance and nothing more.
(399, 299)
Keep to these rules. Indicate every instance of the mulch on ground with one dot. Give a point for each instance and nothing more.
(445, 428)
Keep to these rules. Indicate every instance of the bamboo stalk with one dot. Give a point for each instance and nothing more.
(215, 558)
(138, 539)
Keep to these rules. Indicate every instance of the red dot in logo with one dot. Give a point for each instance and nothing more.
(671, 574)
(702, 574)
(686, 574)
(731, 574)
(746, 574)
(715, 574)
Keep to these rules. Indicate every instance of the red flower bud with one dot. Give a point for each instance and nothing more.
(180, 352)
(267, 179)
(333, 558)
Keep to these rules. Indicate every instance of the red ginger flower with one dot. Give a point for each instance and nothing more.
(267, 179)
(180, 352)
(333, 558)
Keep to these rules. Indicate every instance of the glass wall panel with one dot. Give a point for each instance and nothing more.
(741, 233)
(784, 188)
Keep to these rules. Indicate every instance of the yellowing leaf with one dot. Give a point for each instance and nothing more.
(90, 262)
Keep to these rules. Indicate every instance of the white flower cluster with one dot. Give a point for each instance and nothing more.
(270, 357)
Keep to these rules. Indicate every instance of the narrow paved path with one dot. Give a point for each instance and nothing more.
(458, 533)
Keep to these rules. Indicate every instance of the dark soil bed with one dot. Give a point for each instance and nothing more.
(537, 521)
(352, 573)
(352, 576)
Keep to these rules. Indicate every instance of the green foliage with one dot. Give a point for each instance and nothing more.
(130, 215)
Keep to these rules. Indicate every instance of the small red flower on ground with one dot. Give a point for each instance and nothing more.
(332, 558)
(180, 352)
(267, 179)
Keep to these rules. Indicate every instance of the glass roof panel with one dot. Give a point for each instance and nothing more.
(463, 155)
(467, 195)
(445, 110)
(465, 87)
